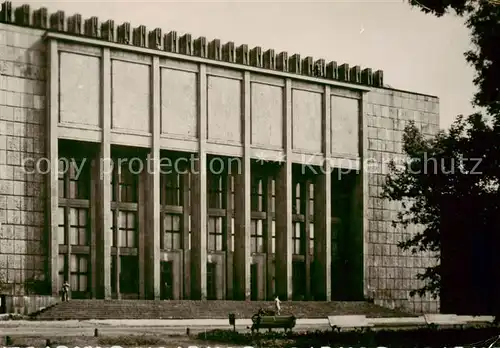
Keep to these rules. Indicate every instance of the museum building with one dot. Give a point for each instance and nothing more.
(189, 168)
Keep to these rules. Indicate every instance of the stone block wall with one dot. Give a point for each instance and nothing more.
(22, 140)
(390, 273)
(26, 305)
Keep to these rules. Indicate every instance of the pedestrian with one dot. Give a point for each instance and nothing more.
(277, 302)
(65, 291)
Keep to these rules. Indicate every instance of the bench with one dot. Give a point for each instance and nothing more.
(286, 322)
(339, 322)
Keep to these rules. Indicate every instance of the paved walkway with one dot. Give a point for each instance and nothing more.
(173, 326)
(142, 322)
(128, 327)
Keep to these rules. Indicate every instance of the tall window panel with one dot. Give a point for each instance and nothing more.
(188, 186)
(232, 191)
(311, 238)
(216, 187)
(79, 273)
(258, 215)
(173, 233)
(127, 229)
(78, 226)
(74, 179)
(74, 204)
(311, 218)
(273, 199)
(114, 240)
(257, 192)
(311, 199)
(61, 184)
(216, 191)
(232, 234)
(125, 185)
(74, 227)
(189, 228)
(273, 212)
(257, 236)
(298, 235)
(61, 226)
(232, 215)
(298, 238)
(172, 210)
(297, 202)
(172, 189)
(273, 237)
(215, 233)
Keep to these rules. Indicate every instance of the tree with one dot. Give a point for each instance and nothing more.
(459, 194)
(448, 184)
(483, 19)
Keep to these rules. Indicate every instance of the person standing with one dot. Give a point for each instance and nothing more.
(65, 291)
(277, 302)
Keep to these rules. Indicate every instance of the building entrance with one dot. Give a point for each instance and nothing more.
(254, 282)
(167, 280)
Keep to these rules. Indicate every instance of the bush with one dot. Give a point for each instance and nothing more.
(132, 341)
(425, 337)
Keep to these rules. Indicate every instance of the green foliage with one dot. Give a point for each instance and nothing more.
(425, 337)
(483, 20)
(144, 340)
(451, 176)
(452, 179)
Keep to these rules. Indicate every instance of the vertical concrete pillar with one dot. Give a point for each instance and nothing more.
(117, 237)
(322, 212)
(95, 225)
(67, 269)
(269, 236)
(322, 237)
(229, 239)
(242, 221)
(186, 218)
(153, 214)
(53, 154)
(283, 261)
(356, 238)
(307, 229)
(363, 187)
(104, 167)
(199, 198)
(142, 213)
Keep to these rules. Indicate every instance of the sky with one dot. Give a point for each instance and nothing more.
(417, 52)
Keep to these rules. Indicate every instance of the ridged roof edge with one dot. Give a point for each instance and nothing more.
(185, 44)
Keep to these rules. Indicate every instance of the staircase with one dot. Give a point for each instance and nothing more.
(142, 309)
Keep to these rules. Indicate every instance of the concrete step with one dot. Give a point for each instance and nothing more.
(141, 309)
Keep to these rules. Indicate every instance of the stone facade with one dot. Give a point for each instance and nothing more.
(388, 274)
(22, 138)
